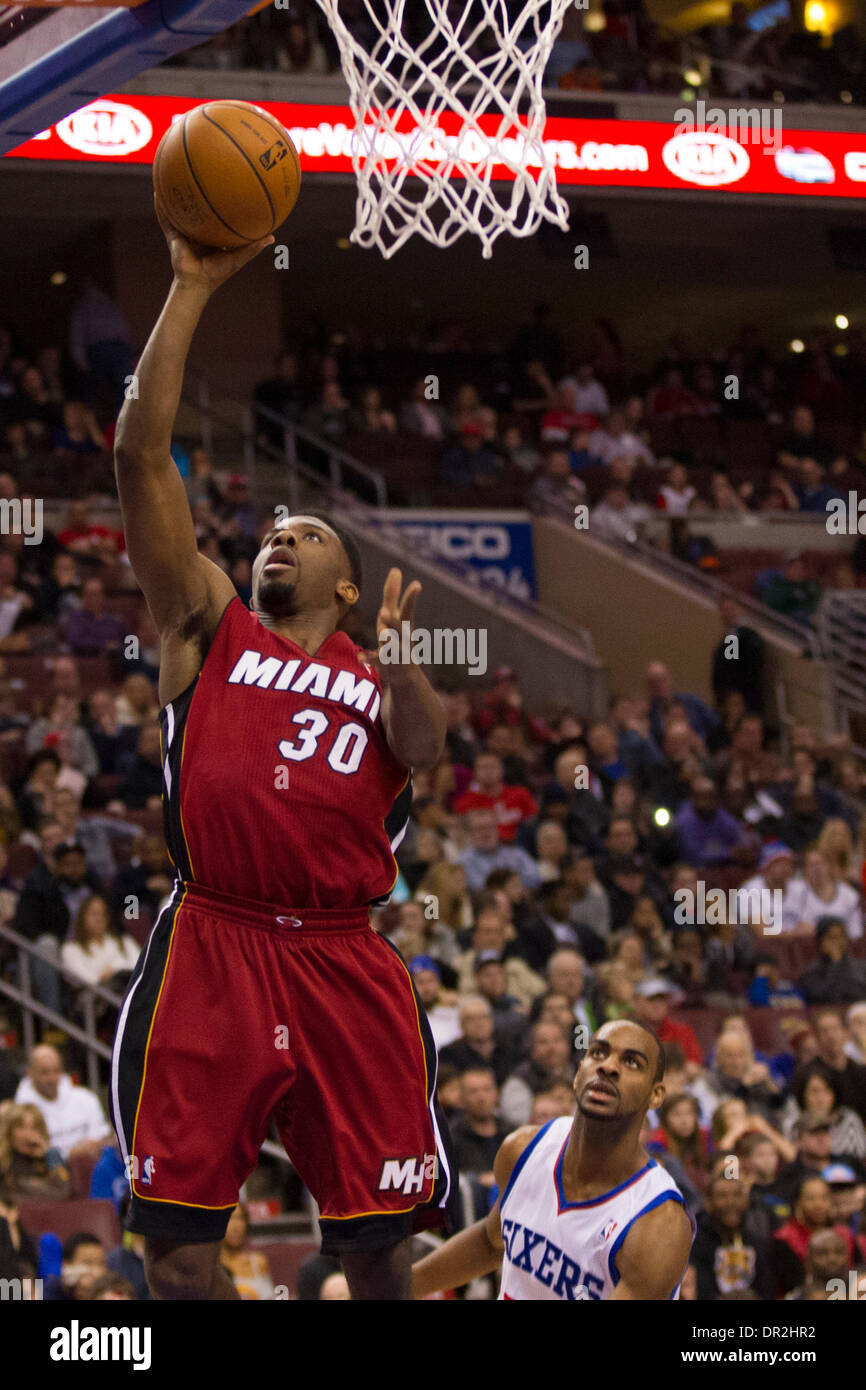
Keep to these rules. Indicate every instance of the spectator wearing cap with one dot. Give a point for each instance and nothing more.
(814, 1093)
(549, 1064)
(487, 852)
(775, 870)
(478, 1134)
(477, 1045)
(489, 790)
(790, 591)
(628, 881)
(51, 898)
(812, 1213)
(653, 998)
(836, 978)
(814, 1156)
(709, 835)
(491, 982)
(494, 932)
(471, 463)
(820, 893)
(847, 1184)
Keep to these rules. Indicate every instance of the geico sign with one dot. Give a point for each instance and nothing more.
(706, 158)
(855, 165)
(456, 542)
(106, 128)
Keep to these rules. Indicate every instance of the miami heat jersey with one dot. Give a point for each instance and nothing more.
(556, 1249)
(279, 783)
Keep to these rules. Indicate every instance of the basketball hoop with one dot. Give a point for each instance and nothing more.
(448, 128)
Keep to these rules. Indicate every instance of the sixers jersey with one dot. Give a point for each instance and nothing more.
(556, 1249)
(279, 784)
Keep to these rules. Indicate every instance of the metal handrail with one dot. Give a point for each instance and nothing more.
(31, 1008)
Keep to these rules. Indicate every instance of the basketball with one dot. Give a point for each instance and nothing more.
(226, 174)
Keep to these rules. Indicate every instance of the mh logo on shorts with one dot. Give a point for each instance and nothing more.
(407, 1174)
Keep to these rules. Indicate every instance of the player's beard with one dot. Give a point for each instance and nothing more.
(276, 597)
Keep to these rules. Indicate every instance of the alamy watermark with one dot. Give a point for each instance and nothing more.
(754, 907)
(22, 518)
(438, 646)
(748, 125)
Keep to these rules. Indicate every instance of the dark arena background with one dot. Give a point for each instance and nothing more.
(626, 460)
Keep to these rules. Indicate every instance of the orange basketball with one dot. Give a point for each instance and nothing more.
(226, 174)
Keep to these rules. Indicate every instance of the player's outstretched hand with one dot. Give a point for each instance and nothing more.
(396, 609)
(201, 265)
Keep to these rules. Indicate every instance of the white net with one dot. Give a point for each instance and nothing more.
(449, 118)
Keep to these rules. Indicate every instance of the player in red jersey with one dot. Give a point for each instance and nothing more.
(263, 993)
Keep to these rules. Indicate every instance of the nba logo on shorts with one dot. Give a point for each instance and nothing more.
(148, 1171)
(273, 155)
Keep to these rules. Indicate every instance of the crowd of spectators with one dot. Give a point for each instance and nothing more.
(626, 52)
(725, 433)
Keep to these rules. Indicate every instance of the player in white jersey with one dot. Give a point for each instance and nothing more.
(583, 1211)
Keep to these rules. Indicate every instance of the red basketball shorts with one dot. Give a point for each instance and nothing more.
(240, 1013)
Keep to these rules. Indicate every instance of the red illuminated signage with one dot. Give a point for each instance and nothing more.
(592, 153)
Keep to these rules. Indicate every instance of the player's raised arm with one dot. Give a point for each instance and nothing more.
(478, 1250)
(177, 582)
(412, 712)
(654, 1254)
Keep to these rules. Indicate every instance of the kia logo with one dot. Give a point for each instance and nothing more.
(108, 128)
(701, 156)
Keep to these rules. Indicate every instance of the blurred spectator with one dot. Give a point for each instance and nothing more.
(98, 953)
(836, 978)
(487, 852)
(29, 1165)
(489, 790)
(738, 666)
(99, 341)
(790, 591)
(75, 1119)
(727, 1255)
(248, 1268)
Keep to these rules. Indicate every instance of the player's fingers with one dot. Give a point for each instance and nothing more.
(246, 253)
(391, 591)
(410, 598)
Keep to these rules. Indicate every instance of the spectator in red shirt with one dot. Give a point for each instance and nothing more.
(673, 398)
(812, 1213)
(84, 536)
(504, 705)
(652, 999)
(488, 790)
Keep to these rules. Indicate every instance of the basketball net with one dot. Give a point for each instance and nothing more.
(448, 132)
